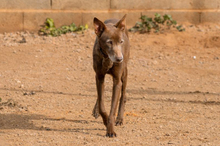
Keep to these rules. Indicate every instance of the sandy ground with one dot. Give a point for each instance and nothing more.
(47, 87)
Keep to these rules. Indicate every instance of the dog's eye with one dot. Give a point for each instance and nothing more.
(122, 41)
(109, 42)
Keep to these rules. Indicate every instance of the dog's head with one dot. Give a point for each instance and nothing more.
(111, 38)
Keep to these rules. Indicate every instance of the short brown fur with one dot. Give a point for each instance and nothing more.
(110, 56)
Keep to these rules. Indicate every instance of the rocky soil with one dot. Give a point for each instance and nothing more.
(47, 89)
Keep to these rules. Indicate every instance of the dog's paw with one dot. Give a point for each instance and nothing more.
(119, 122)
(110, 129)
(95, 113)
(111, 134)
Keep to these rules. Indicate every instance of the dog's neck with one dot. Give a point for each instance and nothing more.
(106, 61)
(105, 55)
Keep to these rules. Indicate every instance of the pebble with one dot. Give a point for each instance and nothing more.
(18, 81)
(216, 58)
(21, 86)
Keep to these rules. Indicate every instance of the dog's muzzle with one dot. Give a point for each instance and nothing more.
(119, 59)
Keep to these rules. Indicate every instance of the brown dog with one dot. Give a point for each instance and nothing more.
(110, 56)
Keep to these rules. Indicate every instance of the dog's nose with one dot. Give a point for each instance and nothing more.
(119, 59)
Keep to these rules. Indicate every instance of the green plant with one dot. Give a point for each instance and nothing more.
(180, 28)
(148, 23)
(50, 29)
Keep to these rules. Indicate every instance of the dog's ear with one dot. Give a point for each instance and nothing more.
(121, 24)
(99, 26)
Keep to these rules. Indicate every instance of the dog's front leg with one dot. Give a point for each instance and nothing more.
(117, 84)
(100, 100)
(121, 109)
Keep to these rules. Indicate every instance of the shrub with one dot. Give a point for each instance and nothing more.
(50, 29)
(148, 23)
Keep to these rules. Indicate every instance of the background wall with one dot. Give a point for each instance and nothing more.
(17, 15)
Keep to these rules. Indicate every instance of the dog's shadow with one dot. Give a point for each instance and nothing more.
(25, 122)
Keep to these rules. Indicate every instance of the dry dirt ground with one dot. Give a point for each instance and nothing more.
(47, 87)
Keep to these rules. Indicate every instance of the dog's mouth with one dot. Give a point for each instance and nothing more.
(119, 61)
(116, 59)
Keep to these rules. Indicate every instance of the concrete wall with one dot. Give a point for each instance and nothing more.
(17, 15)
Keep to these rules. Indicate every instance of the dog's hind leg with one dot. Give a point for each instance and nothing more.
(95, 111)
(119, 119)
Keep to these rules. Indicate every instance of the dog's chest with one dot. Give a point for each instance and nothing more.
(107, 64)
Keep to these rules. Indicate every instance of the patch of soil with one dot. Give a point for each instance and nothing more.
(173, 89)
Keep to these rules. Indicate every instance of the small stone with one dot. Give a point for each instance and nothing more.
(25, 93)
(18, 81)
(216, 58)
